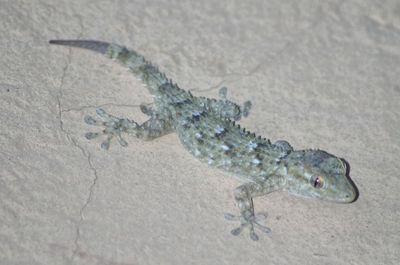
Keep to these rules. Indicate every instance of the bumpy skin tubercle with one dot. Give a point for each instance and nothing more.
(207, 129)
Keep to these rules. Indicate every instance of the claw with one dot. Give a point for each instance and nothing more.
(91, 135)
(230, 217)
(89, 120)
(106, 143)
(101, 112)
(261, 217)
(253, 235)
(237, 230)
(237, 117)
(265, 229)
(106, 116)
(222, 93)
(246, 108)
(121, 141)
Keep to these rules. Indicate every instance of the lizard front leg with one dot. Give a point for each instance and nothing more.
(244, 195)
(158, 125)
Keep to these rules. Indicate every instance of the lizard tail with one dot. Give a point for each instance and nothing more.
(97, 46)
(150, 76)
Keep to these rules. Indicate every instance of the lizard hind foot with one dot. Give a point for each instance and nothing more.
(113, 127)
(230, 109)
(250, 223)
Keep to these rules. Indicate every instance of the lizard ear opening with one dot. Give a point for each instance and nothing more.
(317, 182)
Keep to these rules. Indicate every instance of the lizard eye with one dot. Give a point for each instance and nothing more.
(317, 181)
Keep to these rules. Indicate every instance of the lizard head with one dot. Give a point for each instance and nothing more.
(318, 174)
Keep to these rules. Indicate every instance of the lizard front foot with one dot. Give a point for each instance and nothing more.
(113, 128)
(250, 222)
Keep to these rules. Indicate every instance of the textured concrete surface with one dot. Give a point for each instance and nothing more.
(320, 74)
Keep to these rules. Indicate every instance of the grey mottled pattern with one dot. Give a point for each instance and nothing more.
(207, 129)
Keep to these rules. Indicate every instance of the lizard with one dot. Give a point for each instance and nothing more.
(207, 129)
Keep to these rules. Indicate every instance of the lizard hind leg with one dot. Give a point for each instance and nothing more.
(158, 125)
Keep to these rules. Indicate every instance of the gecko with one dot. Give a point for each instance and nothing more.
(207, 128)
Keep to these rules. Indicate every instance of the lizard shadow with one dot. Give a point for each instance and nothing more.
(350, 180)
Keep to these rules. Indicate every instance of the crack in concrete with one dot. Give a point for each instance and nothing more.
(60, 94)
(86, 204)
(103, 105)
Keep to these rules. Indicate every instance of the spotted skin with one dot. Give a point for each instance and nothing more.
(207, 129)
